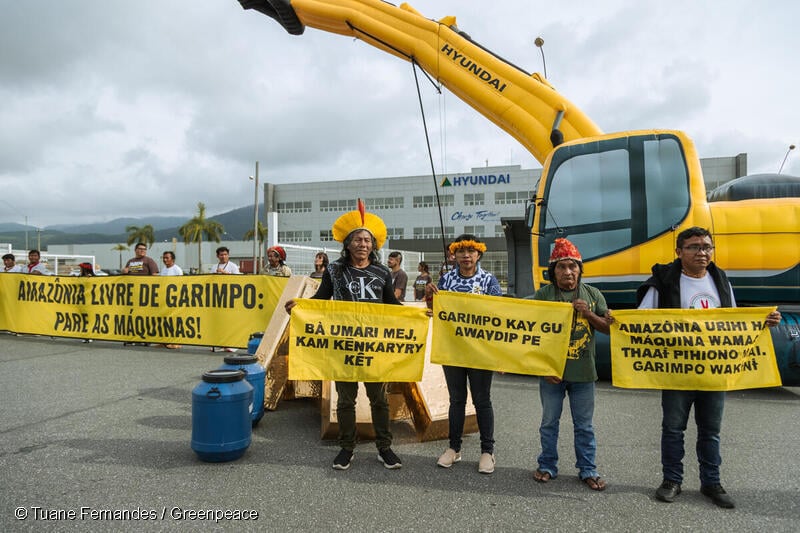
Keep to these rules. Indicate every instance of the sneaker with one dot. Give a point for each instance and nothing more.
(486, 463)
(230, 350)
(342, 460)
(718, 496)
(449, 457)
(668, 491)
(389, 459)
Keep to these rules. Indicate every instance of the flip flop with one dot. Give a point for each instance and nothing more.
(595, 483)
(541, 476)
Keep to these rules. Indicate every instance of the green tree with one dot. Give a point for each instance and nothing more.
(262, 236)
(145, 234)
(120, 248)
(198, 226)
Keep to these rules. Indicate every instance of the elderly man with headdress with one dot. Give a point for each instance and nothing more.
(358, 276)
(590, 314)
(469, 277)
(276, 262)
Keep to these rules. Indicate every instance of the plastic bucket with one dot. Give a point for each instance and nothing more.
(255, 375)
(254, 342)
(221, 426)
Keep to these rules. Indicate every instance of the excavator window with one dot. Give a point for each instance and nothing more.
(609, 195)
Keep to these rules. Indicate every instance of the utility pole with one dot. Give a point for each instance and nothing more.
(255, 223)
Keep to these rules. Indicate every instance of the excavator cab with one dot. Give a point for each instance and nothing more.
(613, 196)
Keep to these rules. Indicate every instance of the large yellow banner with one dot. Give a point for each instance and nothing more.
(354, 341)
(503, 334)
(207, 310)
(693, 349)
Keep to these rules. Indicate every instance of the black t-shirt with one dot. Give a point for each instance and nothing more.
(342, 281)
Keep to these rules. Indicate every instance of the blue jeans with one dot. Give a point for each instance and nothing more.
(480, 384)
(708, 407)
(581, 405)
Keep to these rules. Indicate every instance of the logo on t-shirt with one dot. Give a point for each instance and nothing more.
(703, 300)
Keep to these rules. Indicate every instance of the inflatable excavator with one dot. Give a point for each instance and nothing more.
(622, 198)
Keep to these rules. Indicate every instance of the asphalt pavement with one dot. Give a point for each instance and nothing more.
(97, 437)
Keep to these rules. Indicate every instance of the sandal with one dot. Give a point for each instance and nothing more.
(595, 483)
(541, 476)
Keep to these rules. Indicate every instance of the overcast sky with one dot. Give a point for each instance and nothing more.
(112, 108)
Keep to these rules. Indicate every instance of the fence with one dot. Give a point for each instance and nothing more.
(301, 260)
(58, 264)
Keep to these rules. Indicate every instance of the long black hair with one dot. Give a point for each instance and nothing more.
(373, 254)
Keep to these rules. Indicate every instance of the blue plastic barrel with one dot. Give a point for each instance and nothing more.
(254, 342)
(221, 426)
(255, 375)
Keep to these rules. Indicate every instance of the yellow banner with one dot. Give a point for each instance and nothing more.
(502, 334)
(207, 310)
(693, 349)
(354, 341)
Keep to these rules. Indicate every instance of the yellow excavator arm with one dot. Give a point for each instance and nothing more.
(524, 105)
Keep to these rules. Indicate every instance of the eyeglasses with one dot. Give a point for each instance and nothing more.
(696, 248)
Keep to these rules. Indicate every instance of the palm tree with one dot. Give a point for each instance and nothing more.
(145, 234)
(120, 248)
(194, 229)
(262, 236)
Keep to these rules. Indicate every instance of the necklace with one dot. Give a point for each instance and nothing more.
(566, 296)
(697, 276)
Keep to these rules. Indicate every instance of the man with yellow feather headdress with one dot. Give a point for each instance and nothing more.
(358, 276)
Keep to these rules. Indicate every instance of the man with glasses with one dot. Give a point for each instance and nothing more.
(692, 281)
(140, 264)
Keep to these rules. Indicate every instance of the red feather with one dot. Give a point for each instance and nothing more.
(362, 209)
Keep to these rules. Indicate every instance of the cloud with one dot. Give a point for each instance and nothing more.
(145, 108)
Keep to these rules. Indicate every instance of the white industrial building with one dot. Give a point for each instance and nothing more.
(480, 202)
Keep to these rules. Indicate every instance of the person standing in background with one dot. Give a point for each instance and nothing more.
(225, 266)
(276, 262)
(34, 266)
(320, 264)
(10, 264)
(170, 268)
(399, 276)
(140, 264)
(422, 280)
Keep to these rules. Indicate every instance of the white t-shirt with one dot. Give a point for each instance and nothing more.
(696, 293)
(227, 268)
(39, 267)
(15, 268)
(174, 270)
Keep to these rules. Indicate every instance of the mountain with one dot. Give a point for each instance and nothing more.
(118, 225)
(236, 223)
(6, 227)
